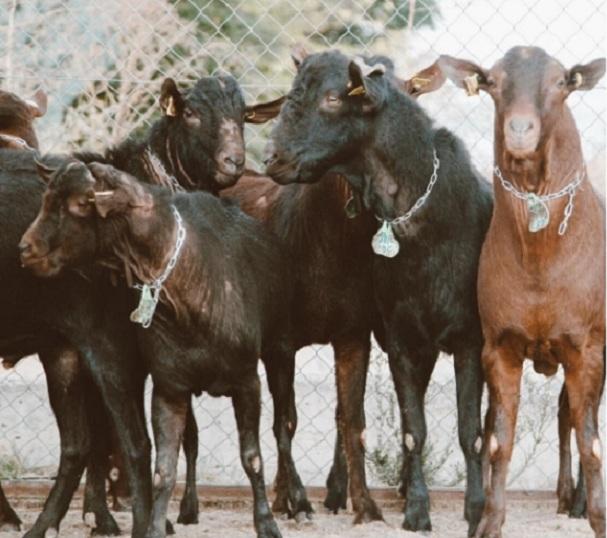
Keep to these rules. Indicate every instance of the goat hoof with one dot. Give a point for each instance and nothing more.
(281, 504)
(336, 498)
(169, 528)
(367, 511)
(578, 510)
(302, 518)
(417, 517)
(267, 528)
(10, 521)
(472, 514)
(188, 511)
(105, 526)
(489, 527)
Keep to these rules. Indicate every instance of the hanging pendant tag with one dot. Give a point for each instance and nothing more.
(144, 312)
(384, 243)
(539, 215)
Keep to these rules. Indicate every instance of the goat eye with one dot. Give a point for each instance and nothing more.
(187, 113)
(333, 99)
(561, 83)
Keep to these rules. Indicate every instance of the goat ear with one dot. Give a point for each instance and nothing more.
(45, 172)
(263, 112)
(366, 83)
(37, 103)
(585, 77)
(467, 75)
(171, 100)
(298, 54)
(425, 81)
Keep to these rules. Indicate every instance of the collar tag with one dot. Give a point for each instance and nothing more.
(148, 300)
(539, 214)
(384, 243)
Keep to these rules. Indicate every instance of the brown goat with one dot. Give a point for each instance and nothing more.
(17, 117)
(541, 285)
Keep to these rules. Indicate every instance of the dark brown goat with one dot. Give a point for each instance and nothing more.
(541, 285)
(225, 302)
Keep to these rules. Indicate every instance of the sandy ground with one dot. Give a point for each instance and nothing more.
(529, 520)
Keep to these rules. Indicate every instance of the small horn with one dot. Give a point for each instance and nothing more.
(368, 70)
(171, 110)
(471, 84)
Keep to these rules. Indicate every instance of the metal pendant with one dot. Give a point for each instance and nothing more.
(384, 243)
(144, 312)
(539, 215)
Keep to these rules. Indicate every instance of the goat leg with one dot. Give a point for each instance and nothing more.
(188, 508)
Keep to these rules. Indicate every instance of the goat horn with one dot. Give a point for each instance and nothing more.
(471, 84)
(171, 110)
(359, 90)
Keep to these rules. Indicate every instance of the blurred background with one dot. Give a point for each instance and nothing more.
(102, 64)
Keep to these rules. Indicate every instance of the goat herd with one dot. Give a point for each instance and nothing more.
(167, 262)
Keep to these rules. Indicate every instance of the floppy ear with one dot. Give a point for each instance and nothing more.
(37, 103)
(171, 100)
(124, 194)
(467, 75)
(298, 54)
(263, 112)
(425, 81)
(13, 142)
(45, 172)
(366, 83)
(585, 77)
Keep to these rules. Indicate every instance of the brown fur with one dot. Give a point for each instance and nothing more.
(541, 295)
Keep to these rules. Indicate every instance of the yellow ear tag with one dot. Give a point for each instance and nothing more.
(419, 82)
(578, 80)
(359, 90)
(471, 84)
(171, 111)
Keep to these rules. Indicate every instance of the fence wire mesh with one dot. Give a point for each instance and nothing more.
(102, 64)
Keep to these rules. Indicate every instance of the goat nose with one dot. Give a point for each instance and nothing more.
(520, 125)
(235, 160)
(25, 247)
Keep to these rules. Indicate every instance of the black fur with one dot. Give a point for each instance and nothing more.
(427, 294)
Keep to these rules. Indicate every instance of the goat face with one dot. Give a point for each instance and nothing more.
(206, 125)
(323, 121)
(63, 233)
(17, 116)
(529, 88)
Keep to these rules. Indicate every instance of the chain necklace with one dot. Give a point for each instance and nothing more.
(150, 293)
(384, 243)
(539, 214)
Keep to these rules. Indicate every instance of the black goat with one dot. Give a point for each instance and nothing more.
(214, 288)
(340, 111)
(170, 133)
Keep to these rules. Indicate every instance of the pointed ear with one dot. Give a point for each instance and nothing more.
(585, 77)
(366, 83)
(37, 103)
(298, 54)
(45, 172)
(425, 81)
(171, 100)
(263, 112)
(124, 194)
(467, 75)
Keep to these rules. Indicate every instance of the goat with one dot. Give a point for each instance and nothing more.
(222, 300)
(541, 285)
(323, 227)
(349, 114)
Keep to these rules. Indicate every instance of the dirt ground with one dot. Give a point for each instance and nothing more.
(524, 520)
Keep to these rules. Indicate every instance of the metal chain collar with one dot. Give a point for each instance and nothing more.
(150, 293)
(422, 199)
(567, 190)
(169, 180)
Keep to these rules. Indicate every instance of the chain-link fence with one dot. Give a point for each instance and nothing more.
(102, 64)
